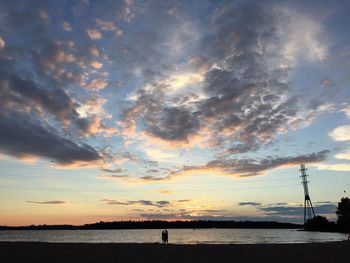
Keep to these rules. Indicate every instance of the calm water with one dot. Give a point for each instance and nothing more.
(177, 236)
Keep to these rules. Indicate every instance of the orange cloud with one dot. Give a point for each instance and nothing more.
(96, 65)
(166, 192)
(94, 51)
(80, 164)
(94, 34)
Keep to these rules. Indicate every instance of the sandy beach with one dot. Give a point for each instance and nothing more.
(81, 252)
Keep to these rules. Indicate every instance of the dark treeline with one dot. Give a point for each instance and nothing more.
(321, 223)
(159, 224)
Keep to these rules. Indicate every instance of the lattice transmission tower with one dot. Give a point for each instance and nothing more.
(309, 212)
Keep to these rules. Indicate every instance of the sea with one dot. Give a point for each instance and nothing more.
(176, 236)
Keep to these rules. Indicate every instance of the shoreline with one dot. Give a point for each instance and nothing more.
(169, 244)
(21, 252)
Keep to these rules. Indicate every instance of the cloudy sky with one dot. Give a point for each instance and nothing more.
(113, 110)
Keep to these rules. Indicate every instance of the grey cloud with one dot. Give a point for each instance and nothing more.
(154, 178)
(249, 204)
(21, 136)
(173, 124)
(297, 211)
(183, 200)
(133, 158)
(25, 93)
(153, 171)
(284, 210)
(213, 210)
(116, 170)
(54, 202)
(137, 202)
(242, 148)
(114, 202)
(167, 123)
(115, 176)
(158, 204)
(252, 167)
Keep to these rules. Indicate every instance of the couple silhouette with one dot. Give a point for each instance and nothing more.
(165, 236)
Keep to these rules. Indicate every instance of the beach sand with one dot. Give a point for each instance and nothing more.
(77, 252)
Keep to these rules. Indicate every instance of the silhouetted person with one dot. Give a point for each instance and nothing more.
(163, 237)
(166, 236)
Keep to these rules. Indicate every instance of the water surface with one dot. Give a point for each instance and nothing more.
(176, 236)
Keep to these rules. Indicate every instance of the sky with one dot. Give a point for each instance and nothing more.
(174, 110)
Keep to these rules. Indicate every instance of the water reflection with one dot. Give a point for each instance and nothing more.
(176, 236)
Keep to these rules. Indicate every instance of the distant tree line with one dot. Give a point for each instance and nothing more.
(160, 224)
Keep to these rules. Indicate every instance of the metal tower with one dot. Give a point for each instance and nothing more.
(309, 212)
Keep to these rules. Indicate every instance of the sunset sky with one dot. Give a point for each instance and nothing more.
(130, 109)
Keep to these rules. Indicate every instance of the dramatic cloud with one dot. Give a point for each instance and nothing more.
(54, 202)
(240, 97)
(37, 107)
(147, 92)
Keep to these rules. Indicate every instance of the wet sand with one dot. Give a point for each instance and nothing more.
(32, 252)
